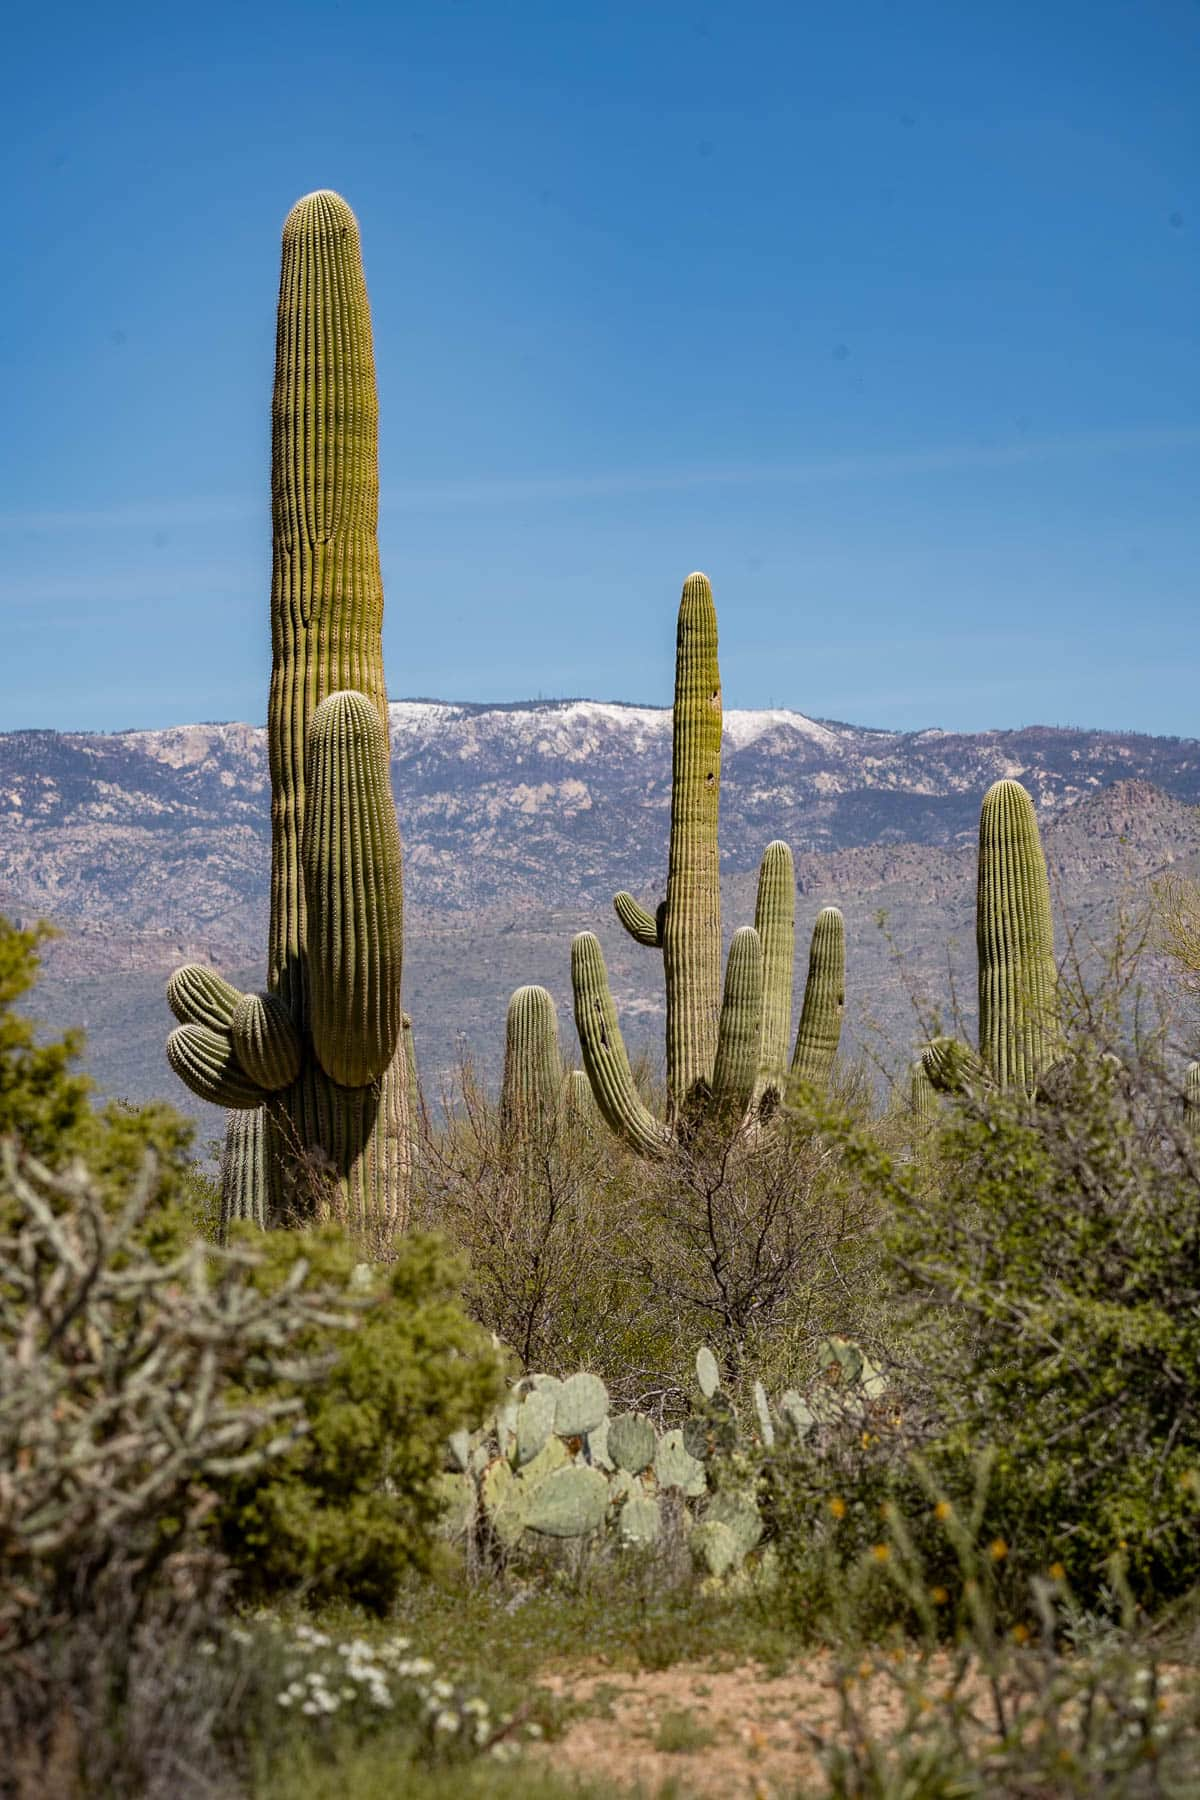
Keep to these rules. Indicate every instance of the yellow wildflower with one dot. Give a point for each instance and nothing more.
(998, 1549)
(837, 1507)
(1057, 1572)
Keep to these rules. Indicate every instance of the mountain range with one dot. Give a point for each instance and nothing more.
(519, 822)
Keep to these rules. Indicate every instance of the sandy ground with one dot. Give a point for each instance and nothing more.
(740, 1733)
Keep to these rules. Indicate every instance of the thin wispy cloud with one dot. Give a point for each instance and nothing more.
(489, 490)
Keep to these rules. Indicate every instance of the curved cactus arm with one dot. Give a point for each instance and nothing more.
(953, 1067)
(1019, 1033)
(644, 927)
(740, 1037)
(533, 1075)
(265, 1042)
(820, 1027)
(604, 1056)
(775, 923)
(350, 855)
(243, 1170)
(199, 996)
(691, 935)
(204, 1061)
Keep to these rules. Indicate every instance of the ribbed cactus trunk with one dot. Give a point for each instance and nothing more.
(322, 1050)
(326, 637)
(1014, 929)
(691, 929)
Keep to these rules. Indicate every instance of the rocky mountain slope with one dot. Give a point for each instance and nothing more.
(519, 822)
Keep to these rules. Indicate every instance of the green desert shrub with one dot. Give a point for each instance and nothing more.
(353, 1504)
(46, 1104)
(1045, 1258)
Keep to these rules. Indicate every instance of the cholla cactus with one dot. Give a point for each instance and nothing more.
(121, 1397)
(320, 1052)
(726, 1050)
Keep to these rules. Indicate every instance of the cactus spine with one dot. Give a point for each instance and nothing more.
(323, 1048)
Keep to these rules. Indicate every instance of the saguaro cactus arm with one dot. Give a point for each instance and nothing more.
(820, 1027)
(265, 1041)
(644, 927)
(204, 1061)
(1019, 1032)
(740, 1037)
(604, 1055)
(953, 1067)
(691, 934)
(199, 996)
(350, 853)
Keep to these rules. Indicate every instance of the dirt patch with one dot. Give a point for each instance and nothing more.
(740, 1734)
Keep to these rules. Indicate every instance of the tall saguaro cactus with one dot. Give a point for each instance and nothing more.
(322, 1048)
(726, 1050)
(691, 932)
(1019, 1030)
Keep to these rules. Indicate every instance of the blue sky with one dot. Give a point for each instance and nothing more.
(884, 316)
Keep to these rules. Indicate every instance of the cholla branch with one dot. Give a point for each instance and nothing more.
(128, 1384)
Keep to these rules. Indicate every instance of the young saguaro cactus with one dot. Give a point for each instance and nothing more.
(726, 1052)
(532, 1089)
(1019, 1029)
(321, 1050)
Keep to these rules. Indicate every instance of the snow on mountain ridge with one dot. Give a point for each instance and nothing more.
(554, 728)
